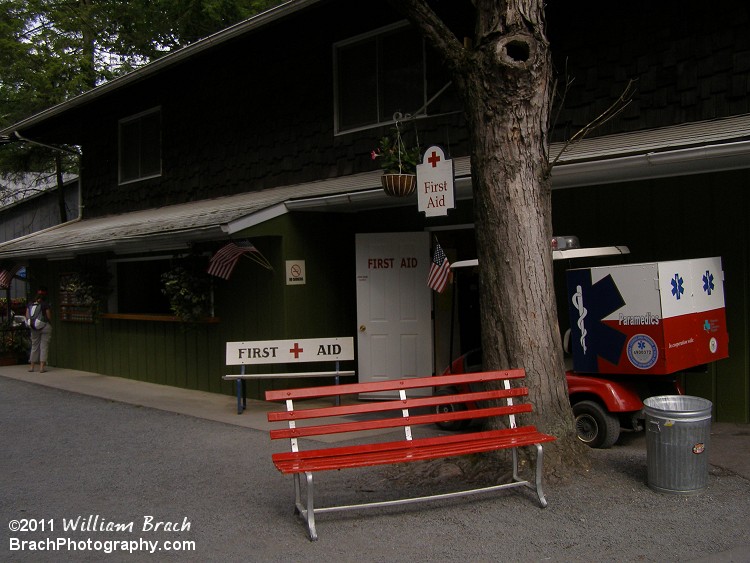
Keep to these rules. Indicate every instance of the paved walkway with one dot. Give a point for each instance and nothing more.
(729, 448)
(67, 455)
(200, 404)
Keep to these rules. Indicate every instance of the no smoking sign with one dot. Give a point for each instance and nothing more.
(295, 272)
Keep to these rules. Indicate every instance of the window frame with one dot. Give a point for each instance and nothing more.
(362, 38)
(113, 300)
(139, 117)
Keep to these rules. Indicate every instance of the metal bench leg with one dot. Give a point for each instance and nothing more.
(539, 467)
(244, 394)
(307, 511)
(537, 473)
(298, 508)
(310, 510)
(239, 396)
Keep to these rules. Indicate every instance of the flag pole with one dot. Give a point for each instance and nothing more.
(260, 259)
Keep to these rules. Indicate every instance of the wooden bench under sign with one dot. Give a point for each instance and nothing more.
(241, 388)
(289, 352)
(401, 413)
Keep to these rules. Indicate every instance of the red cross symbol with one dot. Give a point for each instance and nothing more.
(434, 159)
(296, 350)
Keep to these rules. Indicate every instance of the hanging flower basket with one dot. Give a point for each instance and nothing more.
(399, 185)
(399, 163)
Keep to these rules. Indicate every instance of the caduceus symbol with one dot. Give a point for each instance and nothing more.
(578, 304)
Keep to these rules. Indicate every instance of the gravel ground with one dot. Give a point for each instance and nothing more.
(67, 455)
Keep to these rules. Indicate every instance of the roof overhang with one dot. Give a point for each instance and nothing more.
(568, 254)
(176, 227)
(695, 148)
(680, 150)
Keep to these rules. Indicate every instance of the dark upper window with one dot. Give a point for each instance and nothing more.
(385, 72)
(140, 146)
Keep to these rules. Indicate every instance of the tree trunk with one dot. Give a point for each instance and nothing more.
(88, 60)
(60, 188)
(505, 83)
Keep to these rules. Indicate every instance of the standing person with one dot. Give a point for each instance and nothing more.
(38, 319)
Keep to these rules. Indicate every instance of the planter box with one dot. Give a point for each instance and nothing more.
(8, 360)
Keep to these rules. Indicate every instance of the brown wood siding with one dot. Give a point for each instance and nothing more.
(691, 62)
(244, 117)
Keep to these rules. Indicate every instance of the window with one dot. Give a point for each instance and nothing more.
(140, 290)
(386, 72)
(138, 286)
(140, 146)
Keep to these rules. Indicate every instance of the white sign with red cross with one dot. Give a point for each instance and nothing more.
(290, 351)
(435, 194)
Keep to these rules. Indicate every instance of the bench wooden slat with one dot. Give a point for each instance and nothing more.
(391, 385)
(390, 445)
(394, 422)
(384, 406)
(401, 452)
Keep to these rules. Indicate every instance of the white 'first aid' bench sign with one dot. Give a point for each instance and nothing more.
(290, 351)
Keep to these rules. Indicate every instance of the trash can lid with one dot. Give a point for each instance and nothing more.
(678, 405)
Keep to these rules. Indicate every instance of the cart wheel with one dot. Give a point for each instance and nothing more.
(595, 427)
(452, 425)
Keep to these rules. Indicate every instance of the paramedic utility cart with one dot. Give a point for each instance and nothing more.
(647, 319)
(633, 329)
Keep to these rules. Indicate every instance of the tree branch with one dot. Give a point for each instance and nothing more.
(429, 24)
(610, 113)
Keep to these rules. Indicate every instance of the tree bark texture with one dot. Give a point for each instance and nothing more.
(505, 82)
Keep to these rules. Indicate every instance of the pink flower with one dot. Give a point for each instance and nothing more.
(374, 154)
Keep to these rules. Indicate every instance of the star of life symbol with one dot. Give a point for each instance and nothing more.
(677, 289)
(582, 312)
(708, 282)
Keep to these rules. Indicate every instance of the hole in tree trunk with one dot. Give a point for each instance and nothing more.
(517, 51)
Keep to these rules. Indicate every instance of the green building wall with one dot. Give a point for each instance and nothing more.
(254, 304)
(665, 219)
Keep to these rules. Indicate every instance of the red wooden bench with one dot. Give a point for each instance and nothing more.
(403, 412)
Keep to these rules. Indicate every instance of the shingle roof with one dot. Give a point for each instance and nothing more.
(679, 150)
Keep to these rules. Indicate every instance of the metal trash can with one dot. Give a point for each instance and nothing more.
(678, 430)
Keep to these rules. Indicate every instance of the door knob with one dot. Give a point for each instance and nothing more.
(362, 328)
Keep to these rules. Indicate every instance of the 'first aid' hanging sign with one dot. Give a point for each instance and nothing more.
(435, 193)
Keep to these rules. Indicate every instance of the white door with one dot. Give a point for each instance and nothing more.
(393, 306)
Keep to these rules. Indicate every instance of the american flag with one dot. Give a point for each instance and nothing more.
(223, 262)
(6, 276)
(440, 270)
